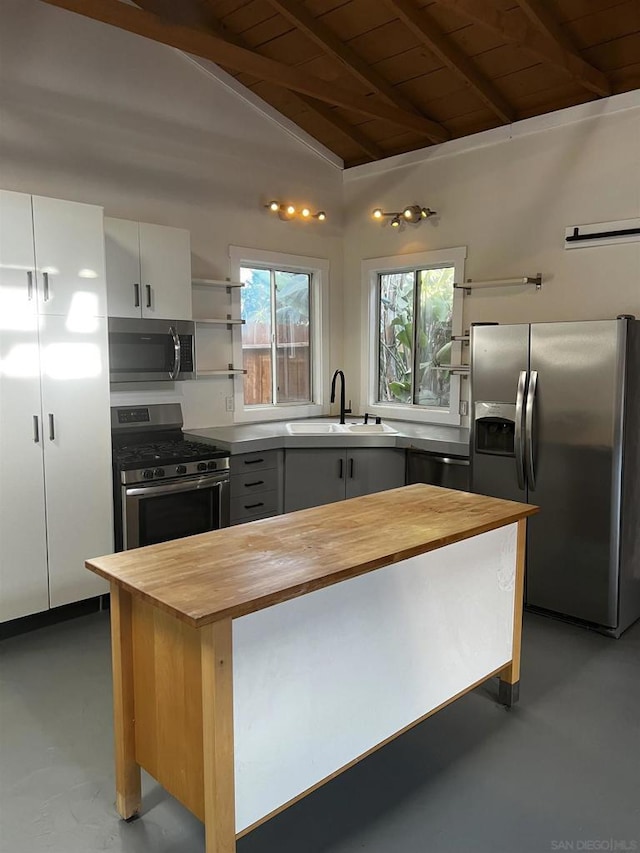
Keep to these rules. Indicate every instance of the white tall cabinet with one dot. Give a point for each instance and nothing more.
(148, 270)
(55, 453)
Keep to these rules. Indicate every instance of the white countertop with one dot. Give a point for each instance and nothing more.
(246, 438)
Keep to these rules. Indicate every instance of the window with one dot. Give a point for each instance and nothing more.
(414, 312)
(282, 343)
(414, 337)
(276, 340)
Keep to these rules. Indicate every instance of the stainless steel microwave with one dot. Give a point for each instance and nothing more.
(151, 350)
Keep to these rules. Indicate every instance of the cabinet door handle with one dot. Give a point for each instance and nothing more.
(352, 468)
(253, 461)
(257, 483)
(52, 428)
(341, 469)
(148, 288)
(29, 285)
(254, 506)
(136, 295)
(45, 278)
(36, 429)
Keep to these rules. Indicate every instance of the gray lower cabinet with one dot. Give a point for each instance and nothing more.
(256, 485)
(320, 476)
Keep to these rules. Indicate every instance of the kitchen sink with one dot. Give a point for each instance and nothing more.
(369, 428)
(323, 428)
(301, 428)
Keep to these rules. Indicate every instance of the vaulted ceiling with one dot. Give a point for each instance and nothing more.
(372, 78)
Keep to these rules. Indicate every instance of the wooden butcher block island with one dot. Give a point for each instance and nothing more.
(255, 663)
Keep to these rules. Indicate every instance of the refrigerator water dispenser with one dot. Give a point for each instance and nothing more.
(495, 428)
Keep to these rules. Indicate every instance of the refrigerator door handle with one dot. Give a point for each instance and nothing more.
(519, 446)
(528, 430)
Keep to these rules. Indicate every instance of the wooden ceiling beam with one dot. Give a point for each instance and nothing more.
(542, 18)
(215, 49)
(423, 28)
(326, 39)
(540, 45)
(209, 21)
(342, 125)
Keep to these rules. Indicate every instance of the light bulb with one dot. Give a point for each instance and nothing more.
(407, 213)
(424, 213)
(322, 215)
(377, 213)
(395, 222)
(305, 212)
(291, 210)
(273, 205)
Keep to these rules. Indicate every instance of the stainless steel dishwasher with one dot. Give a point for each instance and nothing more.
(451, 472)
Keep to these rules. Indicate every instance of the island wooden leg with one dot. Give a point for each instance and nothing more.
(509, 685)
(128, 793)
(217, 737)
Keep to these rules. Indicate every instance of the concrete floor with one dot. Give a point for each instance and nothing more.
(561, 771)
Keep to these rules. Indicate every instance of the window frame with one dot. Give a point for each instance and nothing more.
(318, 269)
(372, 268)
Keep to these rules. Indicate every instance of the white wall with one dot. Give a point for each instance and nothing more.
(508, 195)
(93, 114)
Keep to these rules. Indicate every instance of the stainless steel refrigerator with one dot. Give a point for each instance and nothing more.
(555, 421)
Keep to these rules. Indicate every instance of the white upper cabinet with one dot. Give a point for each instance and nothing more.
(69, 245)
(122, 250)
(165, 271)
(18, 298)
(148, 270)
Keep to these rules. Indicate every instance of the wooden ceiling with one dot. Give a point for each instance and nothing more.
(373, 78)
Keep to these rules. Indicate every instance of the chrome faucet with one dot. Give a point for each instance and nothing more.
(343, 411)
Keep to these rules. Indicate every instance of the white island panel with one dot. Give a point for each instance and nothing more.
(324, 678)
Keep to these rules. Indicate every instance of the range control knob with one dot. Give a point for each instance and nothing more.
(212, 466)
(181, 469)
(202, 466)
(148, 475)
(158, 472)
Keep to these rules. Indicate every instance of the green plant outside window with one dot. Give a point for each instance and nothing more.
(415, 310)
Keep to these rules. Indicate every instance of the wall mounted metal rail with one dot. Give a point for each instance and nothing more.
(601, 235)
(470, 284)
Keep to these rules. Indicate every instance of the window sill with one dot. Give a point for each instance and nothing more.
(259, 414)
(414, 414)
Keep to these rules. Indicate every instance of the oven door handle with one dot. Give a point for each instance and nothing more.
(186, 485)
(173, 374)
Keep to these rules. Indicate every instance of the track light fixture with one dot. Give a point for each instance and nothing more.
(286, 211)
(412, 213)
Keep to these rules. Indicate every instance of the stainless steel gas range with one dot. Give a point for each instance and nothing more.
(164, 486)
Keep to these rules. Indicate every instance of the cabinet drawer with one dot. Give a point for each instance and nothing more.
(251, 506)
(252, 482)
(253, 462)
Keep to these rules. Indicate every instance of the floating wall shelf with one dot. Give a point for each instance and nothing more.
(230, 321)
(516, 281)
(458, 369)
(215, 282)
(211, 350)
(230, 371)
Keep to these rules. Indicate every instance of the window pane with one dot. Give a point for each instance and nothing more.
(293, 346)
(433, 337)
(396, 337)
(256, 336)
